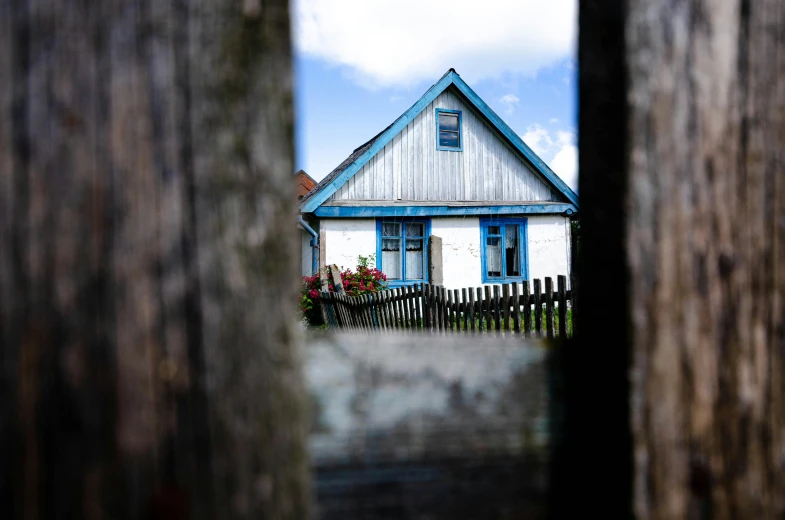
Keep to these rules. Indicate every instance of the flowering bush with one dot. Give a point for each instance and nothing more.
(364, 280)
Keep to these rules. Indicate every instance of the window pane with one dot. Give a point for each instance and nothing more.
(494, 230)
(415, 257)
(493, 257)
(512, 259)
(391, 229)
(391, 258)
(448, 121)
(414, 229)
(449, 139)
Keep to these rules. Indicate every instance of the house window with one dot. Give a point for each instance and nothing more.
(504, 244)
(448, 130)
(401, 251)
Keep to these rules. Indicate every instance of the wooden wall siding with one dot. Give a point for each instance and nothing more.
(411, 168)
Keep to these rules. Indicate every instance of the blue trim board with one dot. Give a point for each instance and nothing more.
(442, 211)
(523, 240)
(460, 130)
(426, 240)
(451, 78)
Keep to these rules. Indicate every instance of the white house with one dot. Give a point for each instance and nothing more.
(449, 167)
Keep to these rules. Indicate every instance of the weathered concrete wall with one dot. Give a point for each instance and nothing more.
(412, 427)
(346, 239)
(404, 398)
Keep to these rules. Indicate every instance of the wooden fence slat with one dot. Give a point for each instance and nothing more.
(401, 291)
(497, 308)
(371, 314)
(399, 307)
(574, 299)
(464, 299)
(427, 308)
(445, 310)
(456, 302)
(383, 319)
(408, 303)
(456, 309)
(411, 292)
(472, 324)
(487, 306)
(450, 313)
(537, 308)
(360, 313)
(561, 282)
(437, 310)
(549, 307)
(516, 309)
(405, 316)
(339, 311)
(391, 308)
(396, 309)
(417, 309)
(506, 307)
(376, 300)
(527, 314)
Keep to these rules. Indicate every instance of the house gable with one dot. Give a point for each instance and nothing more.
(402, 164)
(411, 167)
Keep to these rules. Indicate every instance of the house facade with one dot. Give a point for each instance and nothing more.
(449, 167)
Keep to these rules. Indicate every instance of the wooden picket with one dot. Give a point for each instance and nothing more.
(499, 309)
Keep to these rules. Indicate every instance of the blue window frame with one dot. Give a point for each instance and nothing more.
(504, 246)
(402, 249)
(449, 130)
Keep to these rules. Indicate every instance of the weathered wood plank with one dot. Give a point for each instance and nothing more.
(527, 316)
(506, 307)
(516, 309)
(549, 325)
(562, 299)
(538, 308)
(139, 253)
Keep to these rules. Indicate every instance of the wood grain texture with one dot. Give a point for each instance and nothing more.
(683, 203)
(486, 170)
(145, 157)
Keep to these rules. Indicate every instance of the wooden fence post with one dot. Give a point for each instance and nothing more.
(148, 266)
(682, 205)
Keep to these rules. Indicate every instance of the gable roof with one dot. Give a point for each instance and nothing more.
(361, 155)
(303, 172)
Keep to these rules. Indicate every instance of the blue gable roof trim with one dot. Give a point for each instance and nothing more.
(444, 211)
(324, 192)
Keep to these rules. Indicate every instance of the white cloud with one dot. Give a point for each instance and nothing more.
(559, 151)
(510, 102)
(396, 43)
(565, 164)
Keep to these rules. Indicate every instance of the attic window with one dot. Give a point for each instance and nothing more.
(448, 130)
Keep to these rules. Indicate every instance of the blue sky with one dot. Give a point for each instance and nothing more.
(359, 64)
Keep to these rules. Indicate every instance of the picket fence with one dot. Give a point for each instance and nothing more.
(497, 309)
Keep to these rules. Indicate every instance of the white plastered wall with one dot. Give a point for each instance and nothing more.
(548, 247)
(346, 239)
(460, 250)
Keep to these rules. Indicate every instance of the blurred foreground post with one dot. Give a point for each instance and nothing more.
(147, 262)
(682, 187)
